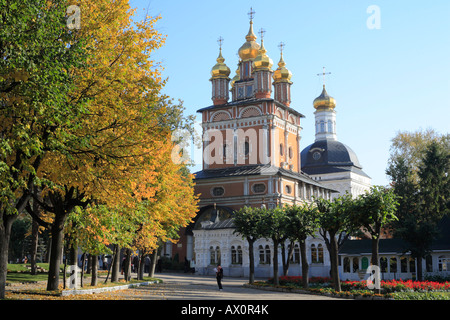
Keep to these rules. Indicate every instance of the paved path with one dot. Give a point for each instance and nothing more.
(195, 287)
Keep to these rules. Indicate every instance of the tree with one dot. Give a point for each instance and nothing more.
(247, 222)
(373, 211)
(302, 222)
(37, 53)
(419, 175)
(335, 227)
(273, 226)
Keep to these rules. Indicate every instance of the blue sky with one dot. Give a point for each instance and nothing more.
(385, 80)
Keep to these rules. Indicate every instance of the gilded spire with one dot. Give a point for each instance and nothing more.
(282, 74)
(220, 69)
(249, 50)
(262, 61)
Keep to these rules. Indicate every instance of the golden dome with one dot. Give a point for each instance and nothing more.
(282, 74)
(262, 61)
(250, 49)
(237, 77)
(324, 101)
(220, 69)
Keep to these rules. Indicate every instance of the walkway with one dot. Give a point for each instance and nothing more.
(180, 286)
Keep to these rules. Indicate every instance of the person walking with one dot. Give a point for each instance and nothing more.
(219, 276)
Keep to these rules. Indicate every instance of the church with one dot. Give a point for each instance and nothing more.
(252, 156)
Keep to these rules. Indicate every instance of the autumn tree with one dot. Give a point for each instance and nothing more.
(37, 54)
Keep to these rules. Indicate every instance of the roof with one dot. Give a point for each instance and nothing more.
(329, 156)
(258, 169)
(225, 224)
(249, 102)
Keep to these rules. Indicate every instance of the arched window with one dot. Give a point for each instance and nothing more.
(267, 254)
(322, 126)
(281, 149)
(214, 255)
(246, 148)
(330, 126)
(443, 263)
(262, 256)
(383, 264)
(236, 255)
(347, 265)
(320, 253)
(393, 264)
(317, 253)
(296, 254)
(355, 264)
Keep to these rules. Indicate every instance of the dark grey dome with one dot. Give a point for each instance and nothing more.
(327, 156)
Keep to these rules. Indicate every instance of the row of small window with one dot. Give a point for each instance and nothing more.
(256, 188)
(264, 254)
(246, 149)
(320, 126)
(352, 264)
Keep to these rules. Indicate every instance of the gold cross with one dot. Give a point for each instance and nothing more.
(261, 33)
(323, 74)
(251, 14)
(220, 41)
(281, 46)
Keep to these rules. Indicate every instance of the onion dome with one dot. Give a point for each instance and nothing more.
(282, 74)
(237, 77)
(220, 69)
(250, 49)
(262, 61)
(324, 101)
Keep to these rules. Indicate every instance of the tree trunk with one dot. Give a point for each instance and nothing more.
(151, 272)
(252, 259)
(127, 268)
(334, 263)
(115, 264)
(140, 273)
(305, 266)
(94, 269)
(419, 269)
(34, 246)
(276, 280)
(5, 233)
(57, 233)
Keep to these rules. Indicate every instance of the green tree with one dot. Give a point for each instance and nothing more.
(302, 222)
(373, 211)
(247, 221)
(418, 169)
(336, 226)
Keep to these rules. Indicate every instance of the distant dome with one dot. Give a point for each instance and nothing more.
(250, 49)
(324, 101)
(324, 156)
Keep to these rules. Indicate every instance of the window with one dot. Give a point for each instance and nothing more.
(296, 254)
(412, 265)
(330, 126)
(248, 91)
(259, 188)
(214, 255)
(322, 126)
(393, 264)
(218, 191)
(355, 264)
(236, 255)
(317, 253)
(443, 263)
(288, 189)
(347, 265)
(281, 149)
(246, 148)
(291, 153)
(383, 264)
(264, 254)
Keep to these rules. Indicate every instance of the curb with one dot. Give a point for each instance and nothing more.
(300, 291)
(105, 289)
